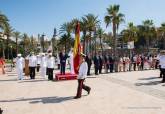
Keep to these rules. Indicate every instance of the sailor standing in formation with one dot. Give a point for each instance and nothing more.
(20, 64)
(50, 66)
(43, 65)
(32, 65)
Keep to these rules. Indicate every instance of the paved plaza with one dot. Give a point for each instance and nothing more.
(117, 93)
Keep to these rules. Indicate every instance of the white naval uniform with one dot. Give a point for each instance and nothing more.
(20, 64)
(32, 61)
(162, 61)
(50, 66)
(71, 63)
(38, 60)
(32, 66)
(50, 62)
(83, 71)
(162, 64)
(43, 66)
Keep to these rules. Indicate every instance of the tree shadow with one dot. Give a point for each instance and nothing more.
(44, 100)
(148, 83)
(150, 78)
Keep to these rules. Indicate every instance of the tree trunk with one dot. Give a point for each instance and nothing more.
(16, 45)
(90, 43)
(115, 48)
(7, 46)
(84, 40)
(147, 41)
(101, 45)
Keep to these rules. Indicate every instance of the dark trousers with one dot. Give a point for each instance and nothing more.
(46, 71)
(96, 70)
(89, 68)
(50, 73)
(58, 66)
(100, 69)
(32, 72)
(142, 66)
(134, 66)
(81, 86)
(111, 68)
(62, 68)
(163, 72)
(38, 67)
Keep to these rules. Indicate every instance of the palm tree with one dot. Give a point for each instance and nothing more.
(66, 28)
(8, 32)
(115, 17)
(92, 23)
(83, 28)
(4, 25)
(100, 33)
(130, 34)
(161, 35)
(73, 24)
(66, 41)
(148, 32)
(3, 21)
(26, 43)
(17, 35)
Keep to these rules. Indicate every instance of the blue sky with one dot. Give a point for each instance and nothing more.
(41, 16)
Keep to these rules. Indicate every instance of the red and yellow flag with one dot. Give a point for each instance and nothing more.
(77, 48)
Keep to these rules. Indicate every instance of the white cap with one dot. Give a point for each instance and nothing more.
(50, 53)
(18, 55)
(42, 53)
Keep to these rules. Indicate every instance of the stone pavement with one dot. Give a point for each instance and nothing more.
(117, 93)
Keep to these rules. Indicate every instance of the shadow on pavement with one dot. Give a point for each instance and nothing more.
(8, 80)
(148, 83)
(51, 100)
(44, 100)
(150, 78)
(32, 81)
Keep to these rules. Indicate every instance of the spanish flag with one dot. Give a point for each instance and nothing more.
(77, 48)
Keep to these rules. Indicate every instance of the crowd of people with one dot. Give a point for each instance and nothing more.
(45, 63)
(124, 63)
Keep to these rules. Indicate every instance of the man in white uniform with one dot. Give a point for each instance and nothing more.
(20, 64)
(71, 57)
(81, 77)
(50, 66)
(43, 65)
(162, 64)
(32, 65)
(38, 62)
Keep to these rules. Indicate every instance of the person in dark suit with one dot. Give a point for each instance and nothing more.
(96, 63)
(100, 63)
(63, 57)
(106, 61)
(111, 63)
(89, 62)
